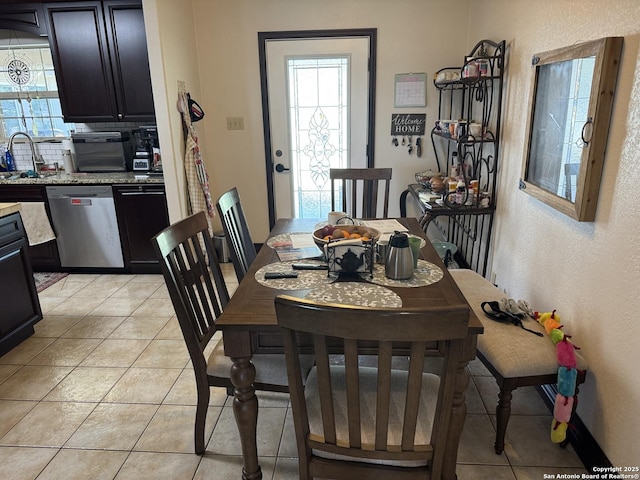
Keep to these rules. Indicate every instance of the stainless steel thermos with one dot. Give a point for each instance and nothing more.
(399, 263)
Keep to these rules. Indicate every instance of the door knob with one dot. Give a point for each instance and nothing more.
(281, 168)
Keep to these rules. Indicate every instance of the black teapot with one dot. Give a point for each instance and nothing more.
(350, 262)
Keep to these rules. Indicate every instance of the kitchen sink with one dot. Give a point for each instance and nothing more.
(19, 175)
(9, 176)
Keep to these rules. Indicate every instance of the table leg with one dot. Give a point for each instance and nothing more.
(245, 409)
(459, 408)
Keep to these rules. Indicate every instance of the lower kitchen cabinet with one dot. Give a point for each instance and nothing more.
(142, 213)
(20, 305)
(44, 257)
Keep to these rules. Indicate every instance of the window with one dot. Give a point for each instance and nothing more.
(559, 120)
(28, 91)
(572, 93)
(318, 110)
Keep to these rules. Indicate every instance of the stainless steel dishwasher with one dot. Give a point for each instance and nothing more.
(84, 218)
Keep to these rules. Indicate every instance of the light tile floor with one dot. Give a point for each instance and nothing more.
(104, 390)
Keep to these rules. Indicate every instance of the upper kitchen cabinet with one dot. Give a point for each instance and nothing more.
(100, 57)
(23, 16)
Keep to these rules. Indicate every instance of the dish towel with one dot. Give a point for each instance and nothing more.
(196, 173)
(36, 223)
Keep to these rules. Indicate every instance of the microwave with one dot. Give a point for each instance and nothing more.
(102, 151)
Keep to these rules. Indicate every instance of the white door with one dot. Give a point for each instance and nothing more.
(318, 108)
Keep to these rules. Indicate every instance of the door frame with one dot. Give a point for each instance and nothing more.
(263, 38)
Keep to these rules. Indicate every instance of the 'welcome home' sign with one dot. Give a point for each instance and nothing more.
(408, 123)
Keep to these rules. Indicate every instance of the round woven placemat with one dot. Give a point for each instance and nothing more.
(307, 279)
(426, 274)
(355, 293)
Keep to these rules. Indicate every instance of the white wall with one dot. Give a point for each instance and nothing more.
(412, 37)
(172, 56)
(590, 272)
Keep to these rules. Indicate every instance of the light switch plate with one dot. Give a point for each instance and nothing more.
(235, 123)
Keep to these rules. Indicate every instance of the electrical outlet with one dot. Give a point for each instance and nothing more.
(235, 123)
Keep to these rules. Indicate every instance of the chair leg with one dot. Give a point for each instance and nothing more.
(503, 412)
(303, 470)
(204, 393)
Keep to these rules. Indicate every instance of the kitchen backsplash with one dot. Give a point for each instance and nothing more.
(51, 150)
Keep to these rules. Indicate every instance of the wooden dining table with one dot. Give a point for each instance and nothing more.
(249, 326)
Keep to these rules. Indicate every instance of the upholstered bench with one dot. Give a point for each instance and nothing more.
(515, 357)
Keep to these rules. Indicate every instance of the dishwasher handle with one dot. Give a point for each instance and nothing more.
(80, 195)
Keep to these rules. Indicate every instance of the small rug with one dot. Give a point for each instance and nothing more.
(46, 279)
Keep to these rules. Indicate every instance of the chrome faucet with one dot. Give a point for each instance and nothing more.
(34, 158)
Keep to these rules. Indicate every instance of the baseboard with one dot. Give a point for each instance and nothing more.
(579, 436)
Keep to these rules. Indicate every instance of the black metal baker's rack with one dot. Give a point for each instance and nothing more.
(470, 94)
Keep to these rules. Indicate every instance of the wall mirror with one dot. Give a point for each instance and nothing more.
(571, 98)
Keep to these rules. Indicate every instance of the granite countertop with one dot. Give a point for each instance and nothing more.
(52, 178)
(8, 208)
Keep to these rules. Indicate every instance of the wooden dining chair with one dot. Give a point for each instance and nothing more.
(241, 247)
(358, 187)
(199, 294)
(353, 421)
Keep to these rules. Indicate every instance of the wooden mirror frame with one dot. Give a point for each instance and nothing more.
(607, 53)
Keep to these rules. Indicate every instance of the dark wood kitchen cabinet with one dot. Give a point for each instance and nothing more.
(44, 257)
(99, 51)
(23, 16)
(142, 213)
(20, 305)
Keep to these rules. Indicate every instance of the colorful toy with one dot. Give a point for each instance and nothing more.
(567, 374)
(563, 408)
(558, 431)
(550, 321)
(566, 352)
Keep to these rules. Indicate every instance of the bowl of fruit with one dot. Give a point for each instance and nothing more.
(323, 235)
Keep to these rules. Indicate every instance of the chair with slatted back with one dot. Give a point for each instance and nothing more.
(358, 189)
(353, 421)
(199, 294)
(236, 230)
